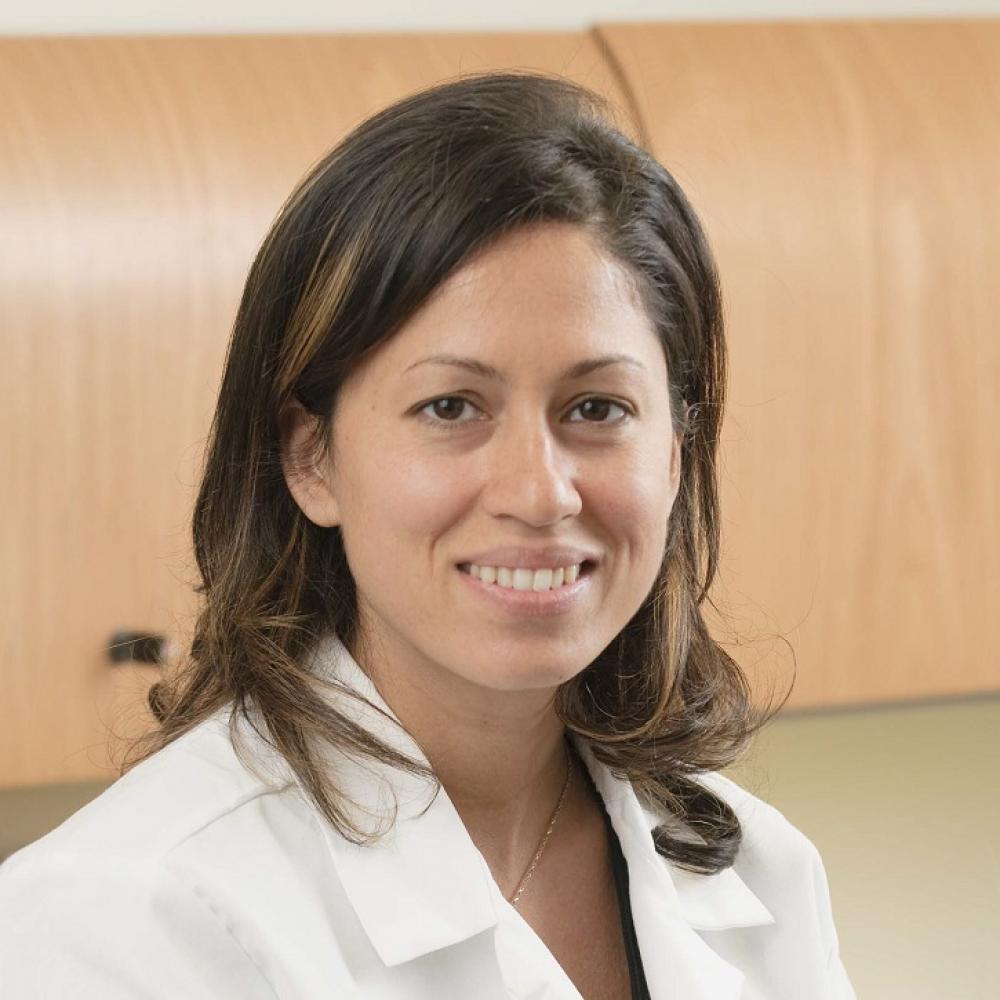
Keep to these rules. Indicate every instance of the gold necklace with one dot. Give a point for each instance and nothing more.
(541, 847)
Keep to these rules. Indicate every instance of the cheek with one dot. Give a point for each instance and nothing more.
(413, 500)
(430, 499)
(638, 489)
(635, 507)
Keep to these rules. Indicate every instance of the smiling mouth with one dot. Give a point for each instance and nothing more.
(525, 580)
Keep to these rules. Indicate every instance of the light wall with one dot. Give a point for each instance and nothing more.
(199, 16)
(903, 803)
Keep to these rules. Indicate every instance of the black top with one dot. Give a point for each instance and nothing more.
(640, 991)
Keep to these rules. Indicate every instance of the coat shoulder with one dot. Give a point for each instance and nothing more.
(194, 782)
(211, 878)
(782, 866)
(776, 859)
(105, 906)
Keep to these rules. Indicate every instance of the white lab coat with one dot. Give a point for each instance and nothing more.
(191, 877)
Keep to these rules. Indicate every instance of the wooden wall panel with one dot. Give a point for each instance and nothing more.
(848, 177)
(137, 178)
(848, 174)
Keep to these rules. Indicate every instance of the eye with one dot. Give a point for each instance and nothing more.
(459, 401)
(602, 406)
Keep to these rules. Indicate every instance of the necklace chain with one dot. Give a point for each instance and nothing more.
(552, 823)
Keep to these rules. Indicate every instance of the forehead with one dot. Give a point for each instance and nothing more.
(547, 296)
(553, 260)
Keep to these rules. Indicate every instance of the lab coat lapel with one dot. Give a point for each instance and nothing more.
(670, 906)
(424, 885)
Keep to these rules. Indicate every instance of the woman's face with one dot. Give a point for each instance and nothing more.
(434, 464)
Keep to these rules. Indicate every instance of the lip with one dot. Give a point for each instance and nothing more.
(549, 557)
(533, 603)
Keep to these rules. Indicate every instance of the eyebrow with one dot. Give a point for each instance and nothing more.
(484, 370)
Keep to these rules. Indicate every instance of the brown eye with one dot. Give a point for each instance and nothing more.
(597, 406)
(444, 411)
(455, 407)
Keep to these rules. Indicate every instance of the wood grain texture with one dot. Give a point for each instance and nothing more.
(848, 174)
(137, 178)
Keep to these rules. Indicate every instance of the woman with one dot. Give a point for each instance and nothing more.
(452, 721)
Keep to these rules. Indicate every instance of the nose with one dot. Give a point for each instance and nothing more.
(529, 475)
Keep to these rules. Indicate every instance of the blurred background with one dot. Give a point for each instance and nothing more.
(844, 158)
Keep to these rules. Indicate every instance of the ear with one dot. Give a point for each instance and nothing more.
(306, 473)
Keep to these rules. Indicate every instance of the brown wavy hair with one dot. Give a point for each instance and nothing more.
(363, 240)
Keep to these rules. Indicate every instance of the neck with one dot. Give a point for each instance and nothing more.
(501, 757)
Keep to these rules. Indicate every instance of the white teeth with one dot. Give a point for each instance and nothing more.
(526, 579)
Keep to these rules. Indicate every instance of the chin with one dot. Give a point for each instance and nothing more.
(527, 677)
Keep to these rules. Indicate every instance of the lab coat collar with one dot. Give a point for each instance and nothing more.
(425, 885)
